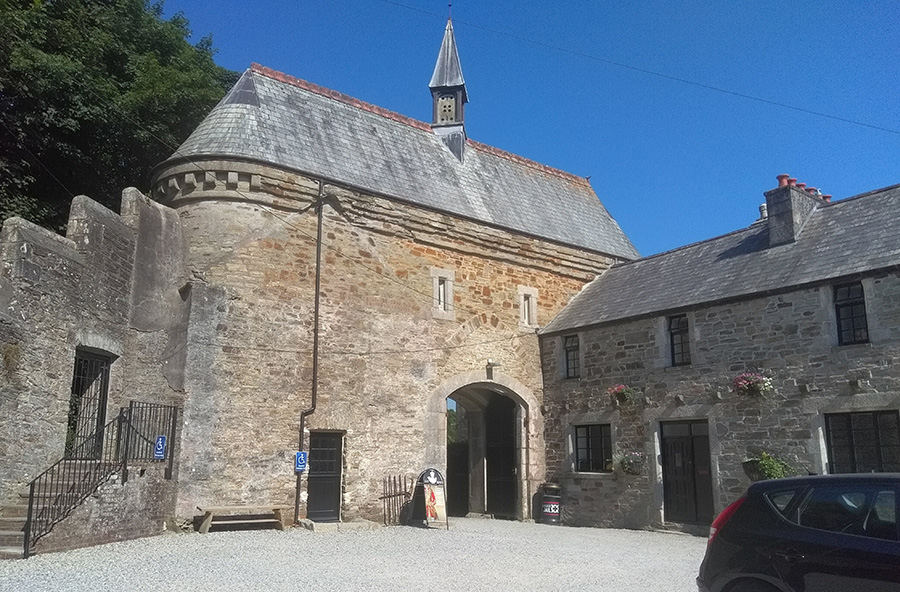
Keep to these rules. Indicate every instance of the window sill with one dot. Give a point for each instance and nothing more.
(591, 475)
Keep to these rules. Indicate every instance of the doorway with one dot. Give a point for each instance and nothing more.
(686, 472)
(484, 452)
(324, 482)
(87, 406)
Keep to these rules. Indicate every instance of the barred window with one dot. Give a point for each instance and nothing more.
(679, 340)
(593, 448)
(572, 353)
(863, 442)
(850, 310)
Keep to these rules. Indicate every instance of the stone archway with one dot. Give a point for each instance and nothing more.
(504, 435)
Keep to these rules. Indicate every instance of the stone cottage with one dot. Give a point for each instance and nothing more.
(645, 364)
(308, 270)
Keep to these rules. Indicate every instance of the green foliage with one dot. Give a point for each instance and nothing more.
(92, 96)
(766, 466)
(452, 423)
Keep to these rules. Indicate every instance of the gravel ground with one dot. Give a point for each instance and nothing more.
(475, 554)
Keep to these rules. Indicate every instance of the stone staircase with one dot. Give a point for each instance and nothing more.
(12, 530)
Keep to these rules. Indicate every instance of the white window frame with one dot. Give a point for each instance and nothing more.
(442, 281)
(527, 307)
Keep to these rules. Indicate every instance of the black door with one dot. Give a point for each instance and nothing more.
(87, 406)
(324, 485)
(500, 457)
(687, 479)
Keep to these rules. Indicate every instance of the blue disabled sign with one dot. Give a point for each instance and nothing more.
(300, 462)
(159, 450)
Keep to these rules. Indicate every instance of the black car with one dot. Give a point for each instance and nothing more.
(807, 534)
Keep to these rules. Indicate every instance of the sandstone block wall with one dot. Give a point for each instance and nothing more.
(384, 354)
(791, 337)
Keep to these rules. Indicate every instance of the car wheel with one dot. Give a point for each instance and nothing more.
(751, 586)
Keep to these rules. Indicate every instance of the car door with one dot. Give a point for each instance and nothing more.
(843, 538)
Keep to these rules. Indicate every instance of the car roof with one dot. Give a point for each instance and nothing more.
(788, 482)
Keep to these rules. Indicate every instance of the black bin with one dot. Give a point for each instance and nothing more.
(551, 502)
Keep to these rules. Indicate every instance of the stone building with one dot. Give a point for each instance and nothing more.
(438, 258)
(807, 297)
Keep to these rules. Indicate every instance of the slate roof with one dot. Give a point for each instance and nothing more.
(847, 237)
(447, 70)
(289, 123)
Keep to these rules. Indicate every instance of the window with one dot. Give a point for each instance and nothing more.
(442, 302)
(442, 290)
(593, 448)
(863, 442)
(859, 509)
(572, 353)
(527, 306)
(850, 310)
(679, 340)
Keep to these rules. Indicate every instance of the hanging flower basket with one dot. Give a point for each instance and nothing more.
(622, 393)
(632, 463)
(752, 383)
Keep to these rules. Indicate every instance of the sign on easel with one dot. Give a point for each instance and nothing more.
(432, 483)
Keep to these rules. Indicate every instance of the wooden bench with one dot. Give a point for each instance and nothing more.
(243, 515)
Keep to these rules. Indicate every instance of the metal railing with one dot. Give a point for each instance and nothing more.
(134, 435)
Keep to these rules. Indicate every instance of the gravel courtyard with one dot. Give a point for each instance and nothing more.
(475, 554)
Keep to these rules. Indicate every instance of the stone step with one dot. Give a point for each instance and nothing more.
(11, 552)
(14, 511)
(12, 522)
(11, 538)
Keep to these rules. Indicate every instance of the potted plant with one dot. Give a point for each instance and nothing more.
(765, 466)
(622, 393)
(752, 383)
(631, 463)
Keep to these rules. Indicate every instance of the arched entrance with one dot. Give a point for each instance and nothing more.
(484, 430)
(485, 440)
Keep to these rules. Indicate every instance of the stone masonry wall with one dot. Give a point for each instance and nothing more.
(384, 354)
(59, 294)
(791, 337)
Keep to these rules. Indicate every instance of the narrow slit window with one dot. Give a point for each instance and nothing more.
(679, 340)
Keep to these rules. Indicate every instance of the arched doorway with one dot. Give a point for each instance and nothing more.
(485, 458)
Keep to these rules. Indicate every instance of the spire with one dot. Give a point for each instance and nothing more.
(447, 70)
(448, 95)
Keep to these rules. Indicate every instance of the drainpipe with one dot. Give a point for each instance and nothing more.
(315, 356)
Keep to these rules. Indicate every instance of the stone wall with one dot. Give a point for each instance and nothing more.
(138, 508)
(791, 337)
(386, 356)
(110, 287)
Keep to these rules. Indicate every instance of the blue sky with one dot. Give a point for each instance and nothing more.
(674, 163)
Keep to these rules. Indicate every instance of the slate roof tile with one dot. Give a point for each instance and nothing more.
(847, 237)
(303, 127)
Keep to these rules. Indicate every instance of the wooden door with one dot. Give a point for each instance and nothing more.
(324, 484)
(500, 457)
(687, 478)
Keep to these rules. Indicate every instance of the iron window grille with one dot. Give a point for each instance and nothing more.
(850, 310)
(679, 340)
(863, 442)
(87, 405)
(572, 352)
(593, 448)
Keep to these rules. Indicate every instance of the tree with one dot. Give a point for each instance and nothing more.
(93, 94)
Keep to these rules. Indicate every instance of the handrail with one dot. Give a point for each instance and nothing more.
(53, 494)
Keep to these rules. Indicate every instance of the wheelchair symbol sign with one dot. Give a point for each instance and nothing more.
(300, 462)
(159, 450)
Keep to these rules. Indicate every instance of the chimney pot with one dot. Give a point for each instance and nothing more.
(801, 185)
(811, 189)
(763, 211)
(792, 181)
(782, 180)
(826, 198)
